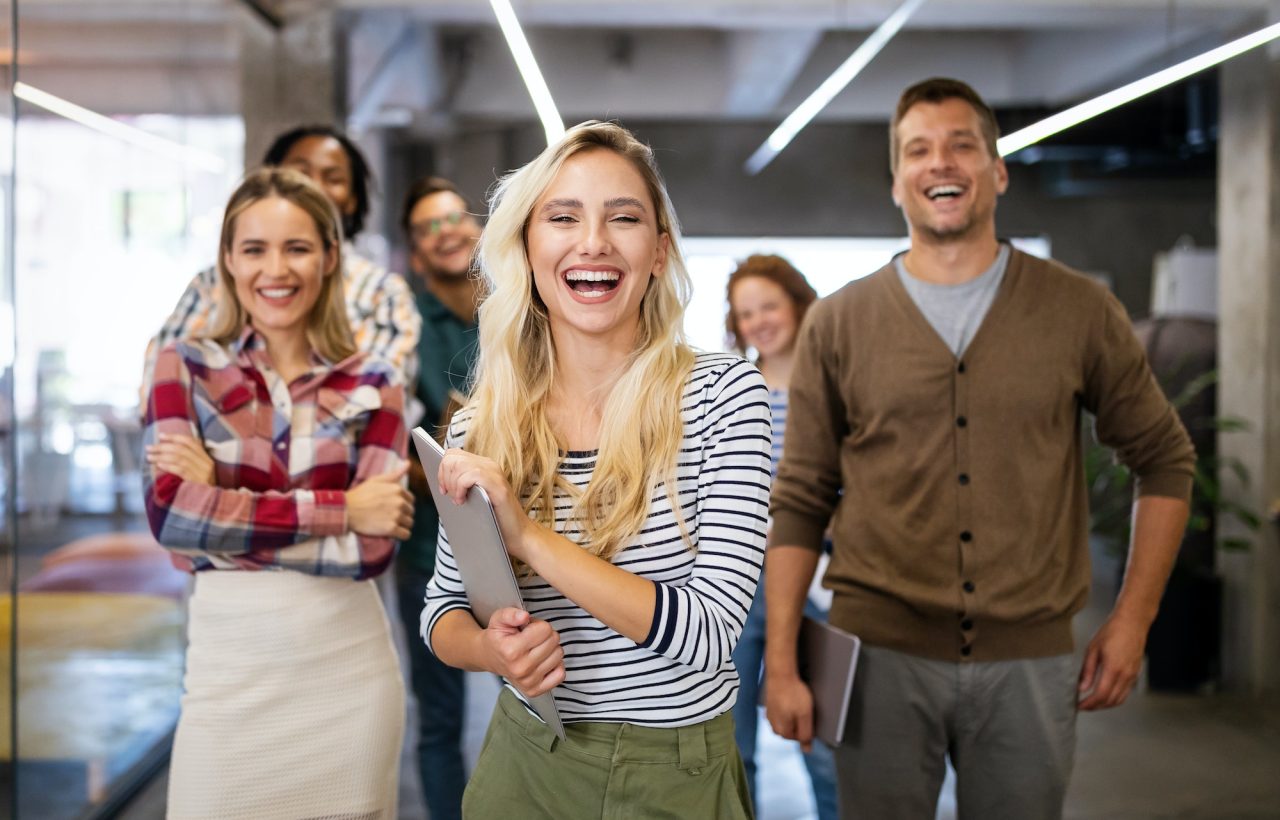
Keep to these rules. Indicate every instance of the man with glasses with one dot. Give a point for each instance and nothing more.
(442, 236)
(380, 305)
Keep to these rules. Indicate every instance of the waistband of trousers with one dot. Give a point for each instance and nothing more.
(689, 747)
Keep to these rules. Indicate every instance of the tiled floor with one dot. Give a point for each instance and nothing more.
(1156, 758)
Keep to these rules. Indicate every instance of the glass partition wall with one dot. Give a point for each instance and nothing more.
(120, 143)
(8, 483)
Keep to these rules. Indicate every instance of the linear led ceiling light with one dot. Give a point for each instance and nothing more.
(203, 160)
(830, 87)
(546, 107)
(1114, 99)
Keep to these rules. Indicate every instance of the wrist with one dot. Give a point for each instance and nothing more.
(478, 655)
(530, 546)
(781, 666)
(1134, 614)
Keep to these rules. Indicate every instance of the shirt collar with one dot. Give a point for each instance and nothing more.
(432, 309)
(251, 346)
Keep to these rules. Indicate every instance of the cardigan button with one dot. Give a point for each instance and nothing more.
(962, 422)
(966, 651)
(960, 367)
(966, 624)
(968, 586)
(964, 478)
(966, 536)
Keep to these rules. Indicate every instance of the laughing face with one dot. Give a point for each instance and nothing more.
(765, 316)
(326, 162)
(593, 243)
(442, 235)
(947, 182)
(278, 262)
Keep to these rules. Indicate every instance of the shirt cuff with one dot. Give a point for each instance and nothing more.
(796, 530)
(662, 629)
(322, 512)
(1166, 485)
(429, 618)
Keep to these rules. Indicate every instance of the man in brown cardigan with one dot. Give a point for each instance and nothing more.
(935, 427)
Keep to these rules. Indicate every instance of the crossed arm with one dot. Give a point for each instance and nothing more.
(327, 532)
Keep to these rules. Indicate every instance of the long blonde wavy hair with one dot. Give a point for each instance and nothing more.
(328, 328)
(641, 427)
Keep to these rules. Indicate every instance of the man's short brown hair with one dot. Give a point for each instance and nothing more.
(936, 90)
(423, 188)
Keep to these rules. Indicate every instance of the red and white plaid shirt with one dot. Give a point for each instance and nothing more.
(285, 455)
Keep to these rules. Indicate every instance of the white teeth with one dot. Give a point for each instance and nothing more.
(592, 276)
(276, 293)
(943, 190)
(592, 294)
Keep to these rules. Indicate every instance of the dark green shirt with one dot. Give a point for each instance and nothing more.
(446, 354)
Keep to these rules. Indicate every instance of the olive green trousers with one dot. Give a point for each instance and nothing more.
(610, 771)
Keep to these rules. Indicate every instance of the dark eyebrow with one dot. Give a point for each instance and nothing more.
(625, 202)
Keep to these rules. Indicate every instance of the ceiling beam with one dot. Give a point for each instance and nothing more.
(374, 89)
(762, 65)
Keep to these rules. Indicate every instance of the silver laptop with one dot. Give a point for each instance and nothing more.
(480, 554)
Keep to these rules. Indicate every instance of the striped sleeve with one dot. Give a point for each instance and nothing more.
(697, 623)
(190, 517)
(445, 592)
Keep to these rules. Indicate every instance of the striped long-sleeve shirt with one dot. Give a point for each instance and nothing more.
(284, 455)
(380, 307)
(778, 411)
(682, 673)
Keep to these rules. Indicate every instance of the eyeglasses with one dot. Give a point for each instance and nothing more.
(431, 227)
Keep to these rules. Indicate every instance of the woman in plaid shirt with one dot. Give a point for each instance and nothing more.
(276, 455)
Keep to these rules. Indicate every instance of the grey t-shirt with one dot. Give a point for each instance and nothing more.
(956, 311)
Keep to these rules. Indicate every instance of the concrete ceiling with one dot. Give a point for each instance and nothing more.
(428, 65)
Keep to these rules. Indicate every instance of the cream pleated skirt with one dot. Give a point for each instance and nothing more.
(294, 704)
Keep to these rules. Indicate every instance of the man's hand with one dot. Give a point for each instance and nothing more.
(1114, 656)
(524, 650)
(788, 703)
(1112, 663)
(789, 708)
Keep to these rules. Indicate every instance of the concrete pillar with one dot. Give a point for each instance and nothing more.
(1249, 358)
(288, 76)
